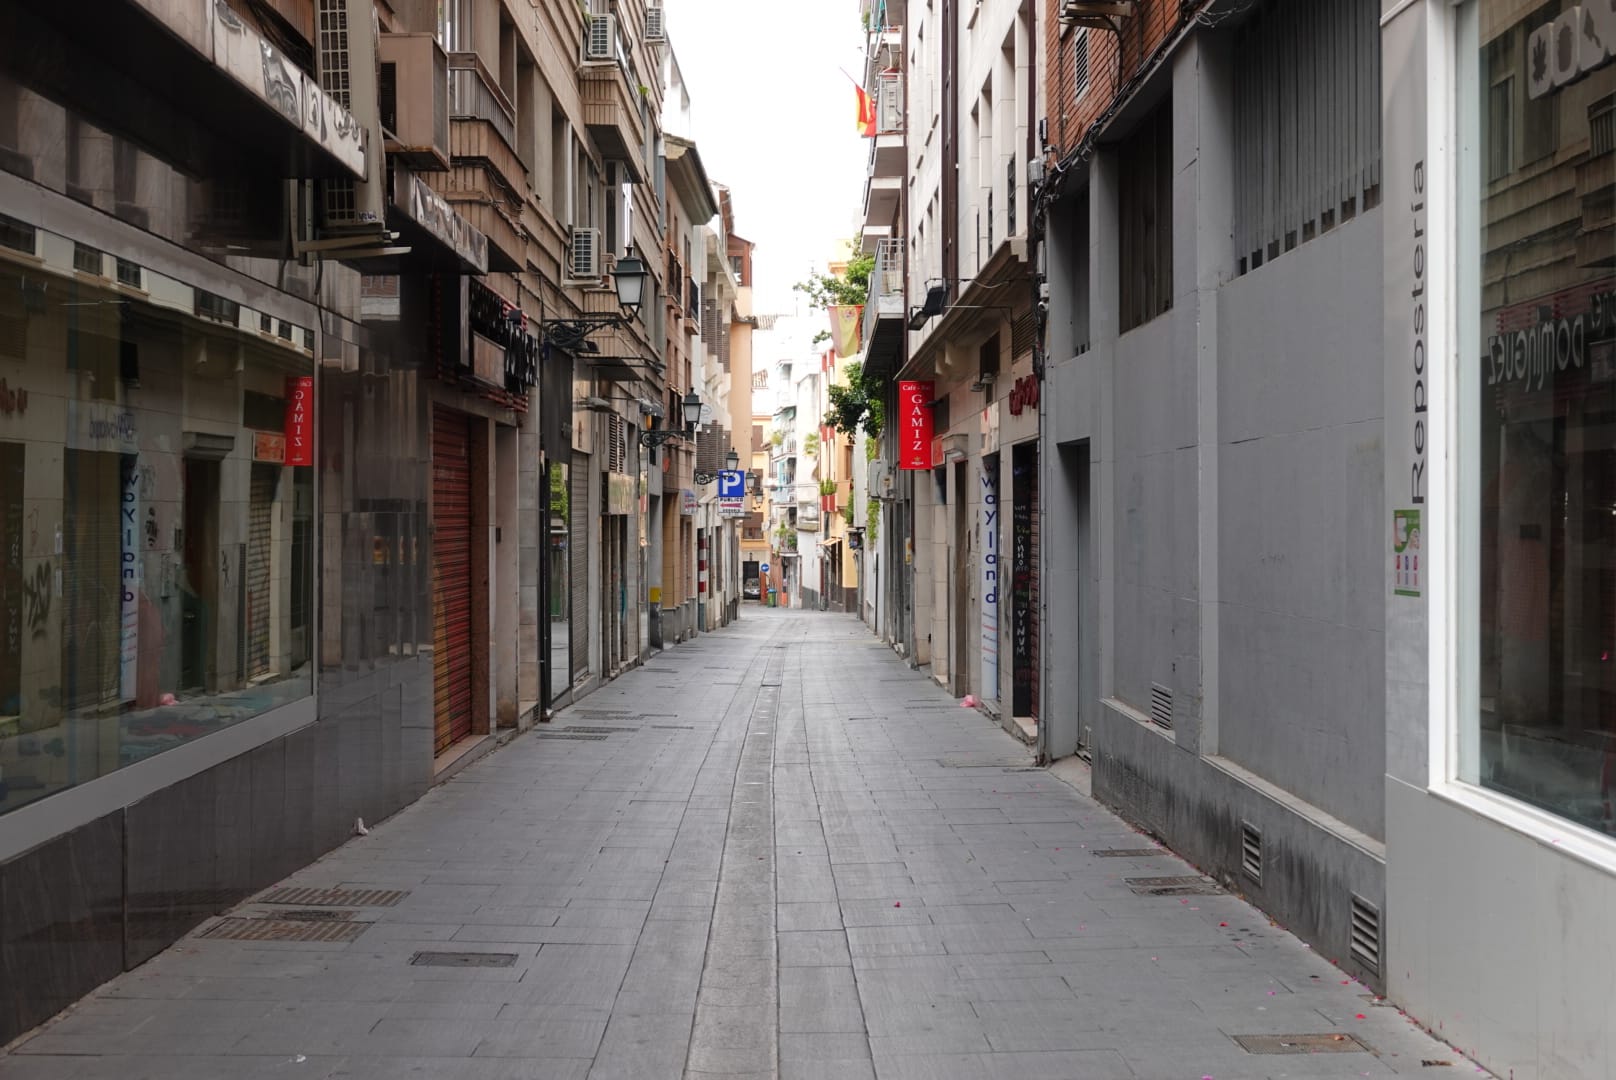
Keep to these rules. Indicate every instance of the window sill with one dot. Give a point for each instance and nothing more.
(1579, 843)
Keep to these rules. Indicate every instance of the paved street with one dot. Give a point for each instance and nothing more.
(774, 851)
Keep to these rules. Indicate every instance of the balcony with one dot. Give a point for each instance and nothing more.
(881, 195)
(612, 114)
(886, 149)
(483, 122)
(884, 313)
(413, 100)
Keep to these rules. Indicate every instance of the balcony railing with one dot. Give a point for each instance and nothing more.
(475, 95)
(886, 284)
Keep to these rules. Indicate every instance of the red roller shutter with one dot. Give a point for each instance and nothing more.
(451, 578)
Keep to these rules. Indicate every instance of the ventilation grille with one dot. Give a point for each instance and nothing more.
(1161, 706)
(87, 260)
(1080, 62)
(1251, 851)
(1366, 933)
(654, 28)
(284, 930)
(17, 235)
(129, 274)
(1178, 885)
(307, 897)
(464, 959)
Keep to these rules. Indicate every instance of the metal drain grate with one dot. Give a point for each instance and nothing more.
(1251, 851)
(304, 897)
(464, 959)
(1128, 853)
(234, 929)
(577, 736)
(674, 727)
(597, 730)
(1366, 933)
(1328, 1043)
(1190, 885)
(1161, 706)
(317, 915)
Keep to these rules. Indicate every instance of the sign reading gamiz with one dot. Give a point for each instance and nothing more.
(300, 420)
(914, 410)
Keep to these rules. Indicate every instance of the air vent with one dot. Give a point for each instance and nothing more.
(1251, 851)
(602, 41)
(130, 274)
(215, 307)
(87, 260)
(18, 235)
(1161, 706)
(1366, 933)
(654, 28)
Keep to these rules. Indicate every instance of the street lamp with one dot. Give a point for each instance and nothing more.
(732, 460)
(692, 409)
(572, 334)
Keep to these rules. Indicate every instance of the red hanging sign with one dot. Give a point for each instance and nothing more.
(300, 420)
(914, 412)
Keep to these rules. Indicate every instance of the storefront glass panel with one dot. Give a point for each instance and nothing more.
(156, 543)
(1537, 287)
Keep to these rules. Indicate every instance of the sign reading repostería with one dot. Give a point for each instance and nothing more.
(300, 420)
(914, 411)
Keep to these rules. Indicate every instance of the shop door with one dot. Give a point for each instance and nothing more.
(960, 654)
(578, 629)
(451, 578)
(1024, 580)
(260, 527)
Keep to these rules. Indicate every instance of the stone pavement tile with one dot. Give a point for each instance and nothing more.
(897, 911)
(824, 915)
(530, 1037)
(713, 1059)
(860, 1069)
(915, 940)
(824, 1047)
(959, 1036)
(171, 1066)
(384, 1068)
(814, 948)
(1062, 1065)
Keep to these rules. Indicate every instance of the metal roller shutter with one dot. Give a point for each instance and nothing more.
(578, 629)
(451, 578)
(260, 517)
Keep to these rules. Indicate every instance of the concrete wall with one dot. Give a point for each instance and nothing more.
(1220, 470)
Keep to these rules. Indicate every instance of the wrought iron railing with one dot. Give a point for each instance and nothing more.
(886, 281)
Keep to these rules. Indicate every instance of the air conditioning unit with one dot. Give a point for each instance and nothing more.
(583, 254)
(414, 100)
(348, 43)
(654, 29)
(880, 480)
(602, 43)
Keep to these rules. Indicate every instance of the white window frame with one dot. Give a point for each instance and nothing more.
(1452, 524)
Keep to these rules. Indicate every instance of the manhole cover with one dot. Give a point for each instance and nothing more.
(1329, 1043)
(576, 735)
(233, 929)
(464, 959)
(1173, 886)
(1127, 853)
(293, 896)
(597, 730)
(317, 915)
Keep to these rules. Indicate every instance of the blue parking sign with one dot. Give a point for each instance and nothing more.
(731, 484)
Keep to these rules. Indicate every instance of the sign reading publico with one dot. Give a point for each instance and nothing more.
(914, 410)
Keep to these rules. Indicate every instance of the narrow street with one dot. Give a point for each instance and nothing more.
(775, 851)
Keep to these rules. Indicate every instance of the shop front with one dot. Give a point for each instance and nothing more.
(1501, 527)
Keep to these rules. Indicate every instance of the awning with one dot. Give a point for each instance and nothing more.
(832, 542)
(438, 236)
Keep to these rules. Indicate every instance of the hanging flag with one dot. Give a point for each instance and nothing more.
(866, 113)
(844, 328)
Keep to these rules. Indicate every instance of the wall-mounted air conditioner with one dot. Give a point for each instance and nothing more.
(583, 254)
(654, 28)
(880, 479)
(414, 100)
(602, 41)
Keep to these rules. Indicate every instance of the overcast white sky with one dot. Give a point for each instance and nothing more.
(775, 120)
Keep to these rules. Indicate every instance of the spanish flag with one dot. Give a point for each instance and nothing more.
(866, 113)
(845, 323)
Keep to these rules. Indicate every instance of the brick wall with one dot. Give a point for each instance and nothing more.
(1071, 114)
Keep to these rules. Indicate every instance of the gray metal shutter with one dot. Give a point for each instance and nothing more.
(92, 600)
(260, 519)
(578, 618)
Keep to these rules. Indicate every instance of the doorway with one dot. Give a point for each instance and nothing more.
(960, 633)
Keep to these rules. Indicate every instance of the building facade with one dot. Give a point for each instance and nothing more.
(320, 415)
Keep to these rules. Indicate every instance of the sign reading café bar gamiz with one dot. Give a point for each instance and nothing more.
(300, 420)
(914, 416)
